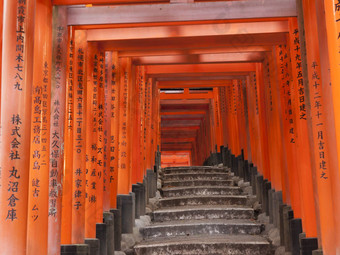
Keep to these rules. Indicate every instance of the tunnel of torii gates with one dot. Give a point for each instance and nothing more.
(92, 91)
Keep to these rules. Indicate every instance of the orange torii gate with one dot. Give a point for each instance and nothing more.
(83, 113)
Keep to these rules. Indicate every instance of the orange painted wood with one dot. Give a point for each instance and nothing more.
(92, 119)
(187, 31)
(143, 125)
(202, 68)
(154, 123)
(274, 127)
(137, 174)
(253, 110)
(216, 50)
(101, 185)
(101, 2)
(241, 118)
(113, 79)
(106, 134)
(38, 190)
(302, 142)
(285, 77)
(79, 137)
(58, 113)
(67, 175)
(16, 82)
(319, 135)
(218, 119)
(223, 107)
(1, 28)
(149, 123)
(332, 15)
(234, 91)
(124, 174)
(262, 122)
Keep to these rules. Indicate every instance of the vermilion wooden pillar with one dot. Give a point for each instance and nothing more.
(38, 192)
(148, 122)
(1, 25)
(124, 126)
(275, 133)
(79, 136)
(58, 112)
(253, 110)
(115, 120)
(92, 118)
(154, 122)
(332, 16)
(67, 175)
(16, 92)
(227, 95)
(218, 119)
(143, 124)
(111, 60)
(136, 175)
(241, 120)
(142, 84)
(285, 76)
(302, 142)
(319, 135)
(107, 134)
(234, 123)
(212, 127)
(101, 177)
(262, 122)
(223, 106)
(247, 152)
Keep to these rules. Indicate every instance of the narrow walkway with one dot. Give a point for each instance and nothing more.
(202, 212)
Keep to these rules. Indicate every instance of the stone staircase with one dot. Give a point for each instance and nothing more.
(202, 212)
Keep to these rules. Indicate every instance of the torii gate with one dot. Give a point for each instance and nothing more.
(81, 110)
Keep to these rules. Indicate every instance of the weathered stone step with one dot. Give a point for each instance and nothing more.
(195, 170)
(198, 183)
(202, 212)
(203, 200)
(203, 245)
(196, 176)
(200, 190)
(202, 227)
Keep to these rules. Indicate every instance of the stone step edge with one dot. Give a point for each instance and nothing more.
(200, 187)
(200, 196)
(202, 209)
(216, 239)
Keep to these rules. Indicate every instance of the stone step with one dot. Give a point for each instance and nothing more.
(201, 227)
(195, 170)
(203, 245)
(203, 200)
(196, 176)
(201, 190)
(203, 182)
(202, 212)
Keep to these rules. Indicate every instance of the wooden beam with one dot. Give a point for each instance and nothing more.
(194, 75)
(193, 84)
(178, 12)
(177, 31)
(201, 68)
(165, 103)
(203, 58)
(186, 96)
(181, 128)
(230, 49)
(184, 113)
(174, 79)
(106, 2)
(187, 43)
